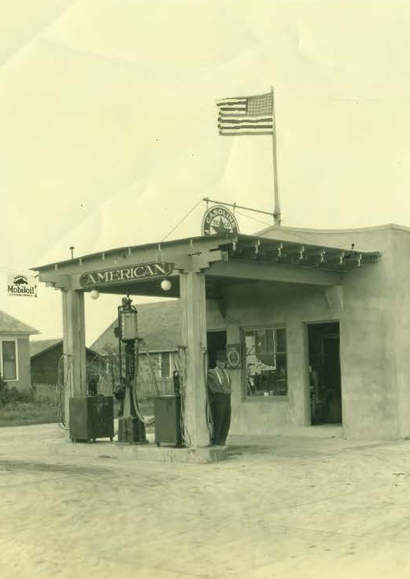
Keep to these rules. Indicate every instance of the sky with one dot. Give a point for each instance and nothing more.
(109, 133)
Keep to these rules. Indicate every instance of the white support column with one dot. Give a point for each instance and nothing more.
(74, 347)
(298, 386)
(192, 295)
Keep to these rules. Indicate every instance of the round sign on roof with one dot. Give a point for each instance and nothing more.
(218, 220)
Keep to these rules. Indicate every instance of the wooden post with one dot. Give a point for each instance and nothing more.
(73, 347)
(192, 295)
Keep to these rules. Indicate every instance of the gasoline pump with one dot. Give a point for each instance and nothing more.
(130, 426)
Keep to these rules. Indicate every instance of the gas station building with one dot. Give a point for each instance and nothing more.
(316, 323)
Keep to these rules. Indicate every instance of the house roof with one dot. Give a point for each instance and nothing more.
(159, 324)
(10, 325)
(38, 347)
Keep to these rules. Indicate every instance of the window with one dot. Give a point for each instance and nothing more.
(9, 359)
(165, 365)
(265, 361)
(160, 364)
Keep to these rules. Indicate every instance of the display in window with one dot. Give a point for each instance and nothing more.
(265, 360)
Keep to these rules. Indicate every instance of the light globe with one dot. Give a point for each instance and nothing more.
(94, 294)
(166, 285)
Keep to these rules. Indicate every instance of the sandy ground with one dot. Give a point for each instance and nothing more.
(288, 507)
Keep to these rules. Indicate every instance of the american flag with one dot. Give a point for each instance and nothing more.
(246, 115)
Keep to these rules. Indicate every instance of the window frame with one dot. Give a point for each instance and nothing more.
(16, 346)
(255, 327)
(161, 375)
(154, 357)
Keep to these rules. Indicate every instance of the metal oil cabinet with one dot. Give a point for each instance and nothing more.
(91, 417)
(167, 409)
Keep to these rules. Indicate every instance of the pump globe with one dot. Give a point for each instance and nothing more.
(94, 294)
(166, 285)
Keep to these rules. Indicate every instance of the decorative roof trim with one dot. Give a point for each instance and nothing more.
(237, 242)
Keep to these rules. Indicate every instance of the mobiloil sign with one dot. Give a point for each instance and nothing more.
(22, 285)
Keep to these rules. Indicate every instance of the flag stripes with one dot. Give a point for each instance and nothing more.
(246, 115)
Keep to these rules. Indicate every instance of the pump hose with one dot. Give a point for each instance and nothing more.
(208, 412)
(154, 380)
(60, 388)
(184, 430)
(145, 421)
(177, 368)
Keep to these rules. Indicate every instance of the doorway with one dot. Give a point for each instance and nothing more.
(324, 373)
(216, 340)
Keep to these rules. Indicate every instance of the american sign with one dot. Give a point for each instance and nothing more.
(136, 272)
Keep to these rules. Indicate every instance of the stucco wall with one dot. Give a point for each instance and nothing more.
(374, 315)
(255, 304)
(374, 331)
(370, 397)
(401, 308)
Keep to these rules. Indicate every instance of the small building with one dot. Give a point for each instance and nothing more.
(14, 351)
(316, 322)
(47, 361)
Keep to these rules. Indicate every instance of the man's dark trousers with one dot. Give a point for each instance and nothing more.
(221, 416)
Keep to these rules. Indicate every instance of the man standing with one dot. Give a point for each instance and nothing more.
(219, 387)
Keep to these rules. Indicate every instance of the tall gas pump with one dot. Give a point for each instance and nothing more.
(130, 426)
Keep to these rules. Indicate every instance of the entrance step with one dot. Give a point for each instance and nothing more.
(149, 452)
(319, 431)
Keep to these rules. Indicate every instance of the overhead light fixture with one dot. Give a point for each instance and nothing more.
(94, 294)
(166, 285)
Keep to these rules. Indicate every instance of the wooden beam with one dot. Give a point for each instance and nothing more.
(73, 347)
(59, 281)
(194, 340)
(274, 272)
(122, 257)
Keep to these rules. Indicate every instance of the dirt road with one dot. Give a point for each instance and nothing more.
(287, 507)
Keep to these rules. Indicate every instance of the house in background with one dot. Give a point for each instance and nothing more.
(47, 361)
(159, 326)
(14, 351)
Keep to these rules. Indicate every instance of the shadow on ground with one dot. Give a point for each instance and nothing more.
(24, 465)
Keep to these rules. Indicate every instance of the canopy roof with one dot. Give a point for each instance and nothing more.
(231, 257)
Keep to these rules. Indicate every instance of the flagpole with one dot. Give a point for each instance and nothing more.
(276, 212)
